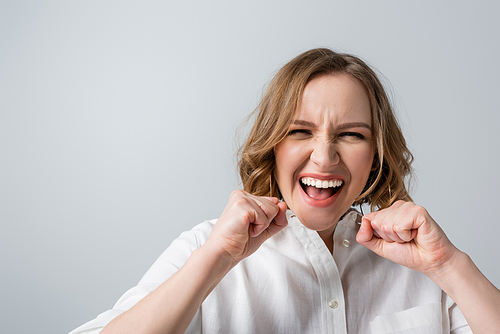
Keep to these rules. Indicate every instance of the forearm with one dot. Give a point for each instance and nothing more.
(476, 297)
(171, 307)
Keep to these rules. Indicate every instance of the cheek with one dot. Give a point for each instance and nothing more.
(286, 155)
(281, 154)
(288, 159)
(360, 164)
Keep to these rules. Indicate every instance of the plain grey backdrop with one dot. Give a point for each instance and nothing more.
(118, 120)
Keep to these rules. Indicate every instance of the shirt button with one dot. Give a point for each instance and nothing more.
(333, 304)
(346, 243)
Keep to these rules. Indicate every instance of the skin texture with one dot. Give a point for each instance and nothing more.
(247, 221)
(405, 233)
(245, 224)
(331, 138)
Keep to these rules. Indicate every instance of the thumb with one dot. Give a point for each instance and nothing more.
(366, 237)
(279, 222)
(273, 200)
(280, 218)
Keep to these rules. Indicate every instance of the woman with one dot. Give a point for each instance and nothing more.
(289, 254)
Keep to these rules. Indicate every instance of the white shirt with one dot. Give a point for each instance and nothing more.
(293, 284)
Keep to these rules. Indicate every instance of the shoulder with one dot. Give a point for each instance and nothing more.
(197, 235)
(178, 253)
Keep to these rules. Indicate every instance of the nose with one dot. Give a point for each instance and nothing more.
(324, 154)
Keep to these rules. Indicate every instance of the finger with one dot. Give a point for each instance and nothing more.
(266, 211)
(268, 205)
(273, 200)
(386, 222)
(377, 232)
(383, 212)
(406, 234)
(407, 221)
(279, 222)
(259, 223)
(418, 222)
(365, 232)
(366, 235)
(280, 218)
(390, 225)
(367, 219)
(377, 224)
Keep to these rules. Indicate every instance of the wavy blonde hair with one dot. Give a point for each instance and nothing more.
(387, 183)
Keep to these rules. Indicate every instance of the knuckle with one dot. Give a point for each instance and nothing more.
(238, 193)
(399, 202)
(247, 216)
(420, 210)
(240, 201)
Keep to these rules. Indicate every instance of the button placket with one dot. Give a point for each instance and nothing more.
(333, 304)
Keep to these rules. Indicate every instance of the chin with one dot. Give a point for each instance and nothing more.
(319, 219)
(320, 215)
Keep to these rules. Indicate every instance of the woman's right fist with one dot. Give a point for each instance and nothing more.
(247, 221)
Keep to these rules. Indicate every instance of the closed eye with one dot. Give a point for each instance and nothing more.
(352, 134)
(299, 131)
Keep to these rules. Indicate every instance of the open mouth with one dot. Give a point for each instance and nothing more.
(320, 189)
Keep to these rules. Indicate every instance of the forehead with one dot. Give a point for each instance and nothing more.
(333, 98)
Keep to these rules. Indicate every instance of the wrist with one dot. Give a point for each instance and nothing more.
(455, 273)
(206, 263)
(216, 257)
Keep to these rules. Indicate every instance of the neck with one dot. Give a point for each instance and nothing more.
(327, 237)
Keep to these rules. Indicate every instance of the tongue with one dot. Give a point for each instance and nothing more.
(319, 194)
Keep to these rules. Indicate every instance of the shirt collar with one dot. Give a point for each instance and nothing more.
(352, 218)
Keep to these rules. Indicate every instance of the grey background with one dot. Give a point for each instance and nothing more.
(118, 119)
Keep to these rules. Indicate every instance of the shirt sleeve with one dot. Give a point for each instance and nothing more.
(458, 324)
(165, 266)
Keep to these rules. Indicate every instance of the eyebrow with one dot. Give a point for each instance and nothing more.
(340, 127)
(305, 123)
(354, 125)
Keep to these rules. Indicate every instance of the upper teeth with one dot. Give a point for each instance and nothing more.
(321, 183)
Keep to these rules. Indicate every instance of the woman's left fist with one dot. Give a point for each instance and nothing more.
(405, 233)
